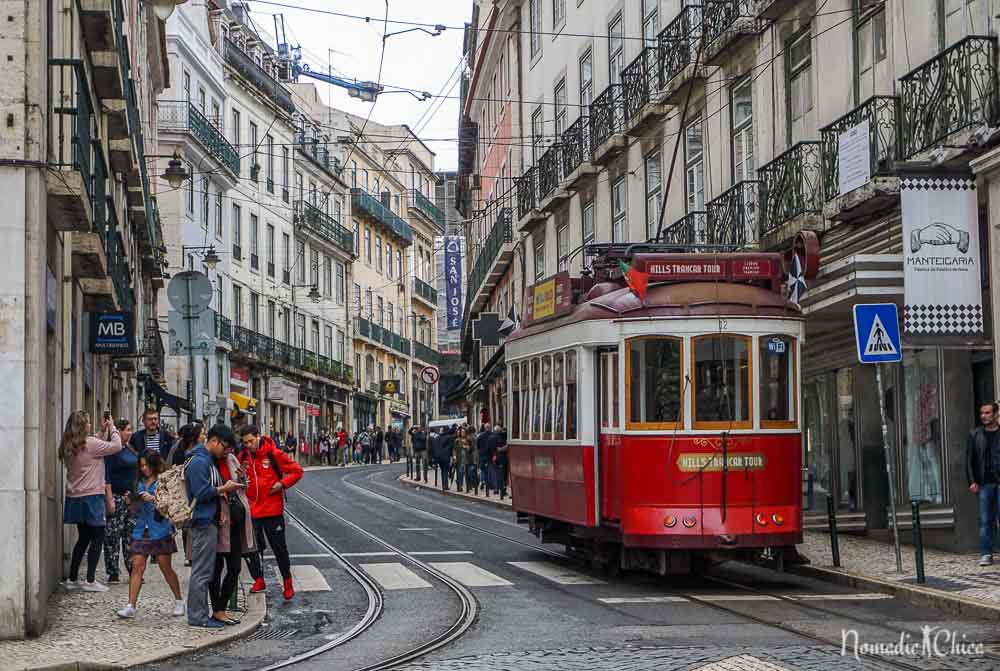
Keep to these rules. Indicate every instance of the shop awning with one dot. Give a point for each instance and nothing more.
(858, 278)
(244, 403)
(157, 396)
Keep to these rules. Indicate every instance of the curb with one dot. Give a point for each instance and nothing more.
(502, 505)
(916, 595)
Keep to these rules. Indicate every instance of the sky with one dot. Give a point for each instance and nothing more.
(414, 60)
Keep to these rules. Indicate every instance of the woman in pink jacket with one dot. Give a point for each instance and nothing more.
(83, 455)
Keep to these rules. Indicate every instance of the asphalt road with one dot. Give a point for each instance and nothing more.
(538, 610)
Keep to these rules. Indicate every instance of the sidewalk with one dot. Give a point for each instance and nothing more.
(84, 631)
(493, 499)
(955, 581)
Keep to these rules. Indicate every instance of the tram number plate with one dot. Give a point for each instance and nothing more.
(700, 461)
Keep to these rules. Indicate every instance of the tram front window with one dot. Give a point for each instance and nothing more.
(722, 380)
(654, 385)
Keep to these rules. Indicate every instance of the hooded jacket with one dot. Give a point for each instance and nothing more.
(261, 476)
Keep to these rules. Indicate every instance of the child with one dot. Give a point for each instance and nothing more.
(153, 535)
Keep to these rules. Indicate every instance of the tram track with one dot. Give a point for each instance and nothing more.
(889, 662)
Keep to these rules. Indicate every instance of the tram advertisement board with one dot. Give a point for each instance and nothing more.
(549, 298)
(667, 267)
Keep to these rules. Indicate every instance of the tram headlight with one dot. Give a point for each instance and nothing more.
(690, 521)
(761, 519)
(777, 519)
(669, 521)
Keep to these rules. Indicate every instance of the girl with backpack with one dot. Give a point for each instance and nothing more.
(153, 535)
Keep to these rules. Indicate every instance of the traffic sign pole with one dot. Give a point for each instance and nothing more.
(889, 469)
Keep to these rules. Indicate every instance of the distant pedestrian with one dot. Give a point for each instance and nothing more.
(498, 453)
(290, 443)
(443, 451)
(395, 444)
(189, 437)
(378, 445)
(269, 474)
(152, 436)
(419, 439)
(324, 449)
(487, 472)
(236, 534)
(204, 487)
(365, 440)
(152, 536)
(982, 469)
(120, 474)
(463, 456)
(85, 505)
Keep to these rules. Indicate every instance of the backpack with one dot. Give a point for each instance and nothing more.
(171, 498)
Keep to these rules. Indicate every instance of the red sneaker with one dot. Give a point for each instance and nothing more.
(289, 591)
(258, 586)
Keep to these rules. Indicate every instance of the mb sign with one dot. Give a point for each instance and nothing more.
(876, 330)
(112, 333)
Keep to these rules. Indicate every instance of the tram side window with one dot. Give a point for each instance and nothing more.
(722, 381)
(609, 390)
(525, 399)
(559, 391)
(515, 401)
(536, 399)
(654, 384)
(570, 395)
(547, 391)
(777, 380)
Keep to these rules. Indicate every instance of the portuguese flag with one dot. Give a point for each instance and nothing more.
(637, 280)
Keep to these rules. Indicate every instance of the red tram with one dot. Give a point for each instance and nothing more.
(658, 434)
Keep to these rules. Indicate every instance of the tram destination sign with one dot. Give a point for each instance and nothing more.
(737, 268)
(701, 461)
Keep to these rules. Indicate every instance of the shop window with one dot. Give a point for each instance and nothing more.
(653, 383)
(722, 382)
(570, 395)
(515, 401)
(817, 438)
(777, 381)
(922, 429)
(847, 452)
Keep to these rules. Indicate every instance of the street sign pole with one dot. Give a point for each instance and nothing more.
(889, 469)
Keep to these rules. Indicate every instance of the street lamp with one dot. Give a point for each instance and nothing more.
(164, 8)
(175, 174)
(208, 256)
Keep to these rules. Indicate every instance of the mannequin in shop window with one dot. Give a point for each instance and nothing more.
(923, 466)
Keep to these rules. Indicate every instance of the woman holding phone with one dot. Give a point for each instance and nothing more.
(236, 536)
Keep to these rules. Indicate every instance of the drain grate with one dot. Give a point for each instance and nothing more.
(271, 634)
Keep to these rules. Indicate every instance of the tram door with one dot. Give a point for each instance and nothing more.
(608, 420)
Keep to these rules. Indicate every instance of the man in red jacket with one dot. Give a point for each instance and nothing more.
(269, 473)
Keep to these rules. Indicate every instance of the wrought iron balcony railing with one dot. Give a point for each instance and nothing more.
(268, 85)
(223, 329)
(118, 269)
(956, 89)
(423, 204)
(575, 145)
(679, 42)
(606, 116)
(882, 115)
(549, 170)
(323, 225)
(363, 202)
(381, 334)
(790, 185)
(732, 217)
(183, 116)
(316, 150)
(74, 125)
(425, 353)
(725, 17)
(425, 290)
(152, 348)
(641, 81)
(691, 230)
(501, 234)
(526, 192)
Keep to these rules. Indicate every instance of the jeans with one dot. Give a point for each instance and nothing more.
(204, 542)
(488, 475)
(459, 475)
(989, 505)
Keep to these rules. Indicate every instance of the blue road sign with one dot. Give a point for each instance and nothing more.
(876, 330)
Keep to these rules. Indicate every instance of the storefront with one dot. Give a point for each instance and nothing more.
(366, 408)
(283, 400)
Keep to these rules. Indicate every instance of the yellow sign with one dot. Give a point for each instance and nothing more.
(545, 300)
(389, 387)
(737, 461)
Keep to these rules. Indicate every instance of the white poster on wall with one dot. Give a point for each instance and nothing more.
(942, 276)
(854, 158)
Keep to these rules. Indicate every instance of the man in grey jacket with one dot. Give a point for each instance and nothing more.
(982, 470)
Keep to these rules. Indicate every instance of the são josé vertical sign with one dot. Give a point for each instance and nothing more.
(453, 280)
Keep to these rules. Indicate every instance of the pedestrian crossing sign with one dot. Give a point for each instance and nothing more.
(876, 330)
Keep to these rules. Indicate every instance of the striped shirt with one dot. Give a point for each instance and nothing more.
(153, 440)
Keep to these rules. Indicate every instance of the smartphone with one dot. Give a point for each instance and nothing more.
(107, 415)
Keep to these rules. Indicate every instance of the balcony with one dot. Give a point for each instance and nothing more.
(641, 85)
(607, 121)
(528, 212)
(121, 276)
(688, 232)
(732, 217)
(316, 150)
(102, 29)
(265, 83)
(223, 329)
(425, 353)
(882, 191)
(381, 335)
(425, 292)
(422, 205)
(152, 348)
(550, 175)
(72, 139)
(727, 23)
(576, 166)
(364, 203)
(318, 222)
(791, 193)
(956, 90)
(493, 260)
(182, 116)
(248, 345)
(678, 51)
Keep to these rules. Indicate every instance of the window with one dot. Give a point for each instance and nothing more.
(189, 199)
(327, 276)
(270, 163)
(216, 114)
(187, 86)
(654, 391)
(218, 214)
(525, 400)
(560, 107)
(341, 346)
(300, 262)
(254, 165)
(388, 260)
(870, 43)
(536, 399)
(562, 246)
(370, 303)
(570, 395)
(204, 203)
(368, 246)
(558, 13)
(315, 336)
(741, 110)
(236, 135)
(547, 398)
(237, 233)
(777, 381)
(286, 258)
(587, 222)
(237, 304)
(800, 99)
(285, 196)
(328, 342)
(254, 243)
(539, 257)
(537, 135)
(694, 167)
(399, 262)
(300, 331)
(271, 308)
(390, 315)
(270, 249)
(201, 99)
(380, 313)
(515, 401)
(341, 283)
(616, 50)
(286, 325)
(218, 298)
(586, 81)
(618, 211)
(722, 382)
(650, 21)
(654, 193)
(338, 208)
(254, 312)
(357, 238)
(378, 253)
(535, 26)
(609, 389)
(314, 267)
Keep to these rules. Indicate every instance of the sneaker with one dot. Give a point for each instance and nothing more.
(207, 624)
(70, 585)
(986, 560)
(93, 587)
(128, 612)
(258, 586)
(289, 591)
(179, 607)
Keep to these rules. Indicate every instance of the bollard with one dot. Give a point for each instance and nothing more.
(918, 542)
(831, 514)
(409, 468)
(436, 477)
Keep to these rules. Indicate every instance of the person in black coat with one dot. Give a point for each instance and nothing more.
(378, 445)
(487, 472)
(442, 448)
(418, 439)
(498, 454)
